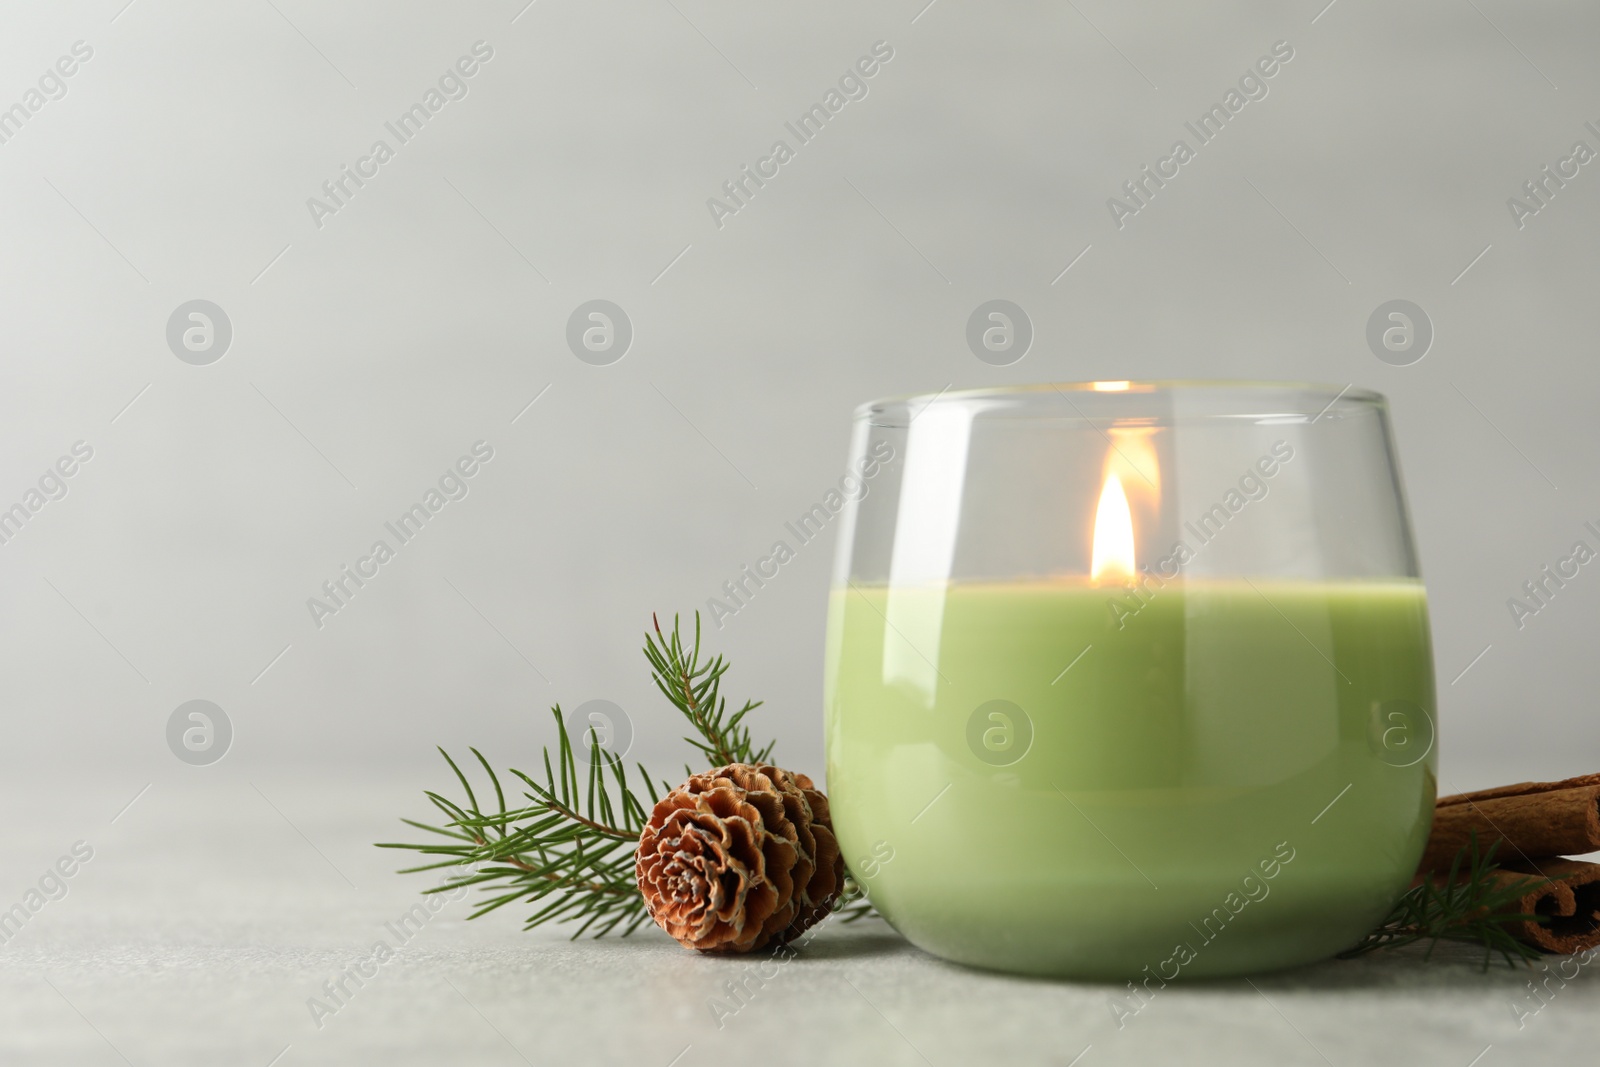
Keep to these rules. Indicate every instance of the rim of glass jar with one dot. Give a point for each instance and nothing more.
(1326, 393)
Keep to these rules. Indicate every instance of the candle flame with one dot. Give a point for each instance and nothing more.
(1112, 557)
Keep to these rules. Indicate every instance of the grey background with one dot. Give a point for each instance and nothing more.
(369, 354)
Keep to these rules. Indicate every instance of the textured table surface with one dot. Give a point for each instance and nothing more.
(214, 909)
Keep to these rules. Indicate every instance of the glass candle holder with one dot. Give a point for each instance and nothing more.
(1130, 680)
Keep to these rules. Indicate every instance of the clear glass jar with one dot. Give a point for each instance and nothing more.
(1130, 678)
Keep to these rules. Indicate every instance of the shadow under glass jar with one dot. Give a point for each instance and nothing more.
(1130, 675)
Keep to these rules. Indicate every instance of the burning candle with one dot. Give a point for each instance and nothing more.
(1173, 720)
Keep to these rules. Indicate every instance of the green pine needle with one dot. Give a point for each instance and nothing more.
(568, 849)
(1467, 906)
(568, 846)
(853, 903)
(695, 690)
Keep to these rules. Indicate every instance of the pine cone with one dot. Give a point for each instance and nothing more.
(739, 858)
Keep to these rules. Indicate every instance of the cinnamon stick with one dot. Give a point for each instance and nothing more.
(1569, 903)
(1520, 788)
(1530, 820)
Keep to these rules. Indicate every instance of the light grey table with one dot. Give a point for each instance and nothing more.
(214, 908)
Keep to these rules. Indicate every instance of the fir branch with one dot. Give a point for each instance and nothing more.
(853, 904)
(569, 846)
(1469, 905)
(695, 689)
(569, 849)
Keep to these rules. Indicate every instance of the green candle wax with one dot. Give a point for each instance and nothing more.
(1213, 777)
